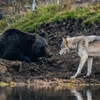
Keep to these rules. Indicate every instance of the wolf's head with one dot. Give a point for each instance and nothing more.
(69, 44)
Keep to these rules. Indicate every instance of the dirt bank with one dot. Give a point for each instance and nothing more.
(58, 69)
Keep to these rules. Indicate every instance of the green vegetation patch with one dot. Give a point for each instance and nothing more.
(32, 20)
(3, 84)
(55, 13)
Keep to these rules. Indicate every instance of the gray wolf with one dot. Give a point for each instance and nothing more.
(18, 45)
(87, 47)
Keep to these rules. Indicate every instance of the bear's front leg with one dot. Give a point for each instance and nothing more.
(24, 58)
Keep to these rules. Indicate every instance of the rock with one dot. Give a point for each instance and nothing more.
(17, 65)
(3, 69)
(8, 79)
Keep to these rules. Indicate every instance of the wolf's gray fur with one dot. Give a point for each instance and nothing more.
(86, 46)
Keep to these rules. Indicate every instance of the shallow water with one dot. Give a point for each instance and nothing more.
(33, 93)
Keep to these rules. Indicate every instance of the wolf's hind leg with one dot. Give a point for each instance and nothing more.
(83, 60)
(89, 66)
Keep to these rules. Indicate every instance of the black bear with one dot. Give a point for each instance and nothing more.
(17, 45)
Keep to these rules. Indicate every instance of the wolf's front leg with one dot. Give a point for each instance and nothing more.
(89, 66)
(82, 61)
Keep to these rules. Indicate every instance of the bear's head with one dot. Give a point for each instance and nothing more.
(41, 48)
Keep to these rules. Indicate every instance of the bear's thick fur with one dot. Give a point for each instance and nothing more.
(17, 45)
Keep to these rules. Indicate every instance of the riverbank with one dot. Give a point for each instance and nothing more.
(58, 69)
(57, 83)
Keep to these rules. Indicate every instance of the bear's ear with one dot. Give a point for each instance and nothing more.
(42, 34)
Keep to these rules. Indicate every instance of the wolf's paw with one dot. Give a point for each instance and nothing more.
(72, 77)
(87, 76)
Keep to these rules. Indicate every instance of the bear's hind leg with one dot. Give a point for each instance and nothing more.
(14, 56)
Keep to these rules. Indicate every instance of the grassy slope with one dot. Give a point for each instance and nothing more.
(54, 13)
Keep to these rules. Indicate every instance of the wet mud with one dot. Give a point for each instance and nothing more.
(57, 69)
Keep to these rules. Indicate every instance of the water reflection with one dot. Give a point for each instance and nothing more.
(79, 95)
(32, 93)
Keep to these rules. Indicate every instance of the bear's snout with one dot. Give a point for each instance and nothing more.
(48, 53)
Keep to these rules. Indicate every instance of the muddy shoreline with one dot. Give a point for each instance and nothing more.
(58, 69)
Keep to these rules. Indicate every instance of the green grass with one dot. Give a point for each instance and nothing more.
(32, 21)
(54, 13)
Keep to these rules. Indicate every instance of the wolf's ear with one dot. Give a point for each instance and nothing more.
(68, 36)
(63, 39)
